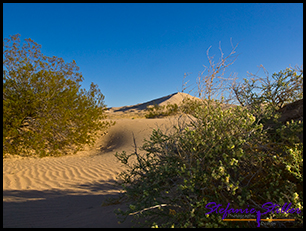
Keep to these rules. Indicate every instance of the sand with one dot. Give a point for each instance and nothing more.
(68, 191)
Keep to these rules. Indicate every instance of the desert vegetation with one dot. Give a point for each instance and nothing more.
(241, 155)
(157, 111)
(45, 112)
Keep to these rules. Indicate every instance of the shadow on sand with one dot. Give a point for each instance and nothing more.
(63, 208)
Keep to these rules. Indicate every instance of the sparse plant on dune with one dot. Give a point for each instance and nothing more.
(158, 111)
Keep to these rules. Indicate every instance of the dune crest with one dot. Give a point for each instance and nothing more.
(175, 98)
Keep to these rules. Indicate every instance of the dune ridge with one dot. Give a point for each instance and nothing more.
(169, 99)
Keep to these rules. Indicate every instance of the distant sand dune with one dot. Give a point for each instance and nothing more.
(169, 99)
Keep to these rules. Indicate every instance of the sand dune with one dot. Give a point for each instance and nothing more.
(68, 191)
(175, 98)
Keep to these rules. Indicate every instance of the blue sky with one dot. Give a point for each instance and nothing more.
(139, 52)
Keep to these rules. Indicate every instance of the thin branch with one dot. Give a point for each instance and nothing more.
(153, 207)
(138, 157)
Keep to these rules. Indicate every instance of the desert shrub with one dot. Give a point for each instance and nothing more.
(172, 109)
(155, 111)
(158, 111)
(45, 112)
(265, 96)
(262, 95)
(189, 106)
(223, 157)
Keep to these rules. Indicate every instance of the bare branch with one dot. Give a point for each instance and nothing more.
(153, 207)
(214, 84)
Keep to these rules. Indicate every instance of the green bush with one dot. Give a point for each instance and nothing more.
(270, 94)
(189, 106)
(223, 157)
(158, 111)
(44, 110)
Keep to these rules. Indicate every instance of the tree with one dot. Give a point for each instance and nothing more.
(44, 110)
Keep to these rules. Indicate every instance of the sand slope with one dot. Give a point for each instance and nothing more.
(175, 98)
(68, 191)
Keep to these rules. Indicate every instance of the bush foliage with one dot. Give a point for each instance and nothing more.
(45, 112)
(221, 156)
(272, 93)
(158, 111)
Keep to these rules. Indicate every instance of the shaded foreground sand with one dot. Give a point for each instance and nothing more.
(68, 191)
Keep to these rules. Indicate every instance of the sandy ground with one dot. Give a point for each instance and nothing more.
(68, 191)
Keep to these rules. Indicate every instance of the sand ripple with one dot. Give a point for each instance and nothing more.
(68, 191)
(60, 172)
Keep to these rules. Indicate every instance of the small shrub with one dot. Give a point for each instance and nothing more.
(189, 106)
(158, 111)
(263, 96)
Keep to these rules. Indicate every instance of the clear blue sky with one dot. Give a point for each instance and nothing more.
(139, 52)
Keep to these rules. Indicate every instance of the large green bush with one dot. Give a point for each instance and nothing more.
(223, 157)
(45, 112)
